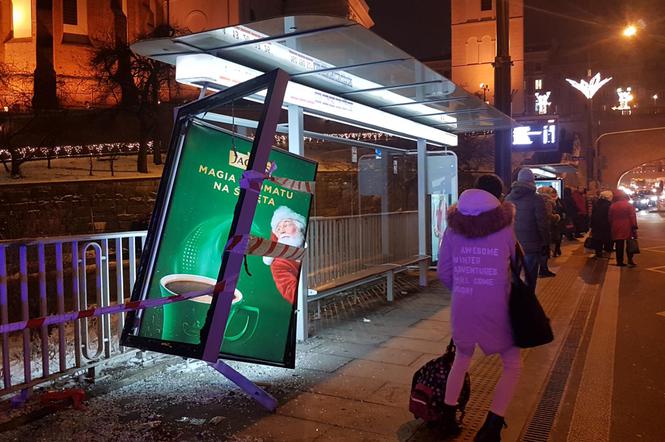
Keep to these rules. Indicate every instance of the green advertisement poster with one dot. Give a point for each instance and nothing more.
(200, 211)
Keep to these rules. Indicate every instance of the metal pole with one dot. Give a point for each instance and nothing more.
(422, 208)
(502, 92)
(297, 146)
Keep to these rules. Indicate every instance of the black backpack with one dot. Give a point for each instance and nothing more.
(428, 388)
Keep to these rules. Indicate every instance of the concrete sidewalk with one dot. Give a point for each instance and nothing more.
(352, 379)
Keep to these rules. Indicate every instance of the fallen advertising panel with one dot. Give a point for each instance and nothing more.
(198, 218)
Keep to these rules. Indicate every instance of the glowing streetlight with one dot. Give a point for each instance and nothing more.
(629, 31)
(485, 88)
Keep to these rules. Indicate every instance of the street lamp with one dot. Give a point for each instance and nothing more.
(485, 88)
(589, 88)
(629, 31)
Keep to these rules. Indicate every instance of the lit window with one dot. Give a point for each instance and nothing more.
(538, 84)
(22, 18)
(75, 16)
(485, 5)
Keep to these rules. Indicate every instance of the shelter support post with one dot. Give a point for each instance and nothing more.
(422, 209)
(502, 93)
(259, 395)
(297, 146)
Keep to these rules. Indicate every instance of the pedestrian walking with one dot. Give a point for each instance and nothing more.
(579, 221)
(623, 224)
(559, 228)
(571, 212)
(546, 194)
(600, 224)
(490, 183)
(474, 263)
(531, 223)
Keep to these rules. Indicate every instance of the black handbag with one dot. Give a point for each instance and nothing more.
(632, 246)
(530, 325)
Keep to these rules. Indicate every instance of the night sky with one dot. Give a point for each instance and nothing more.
(423, 27)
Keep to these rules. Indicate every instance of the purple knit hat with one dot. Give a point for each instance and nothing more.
(473, 202)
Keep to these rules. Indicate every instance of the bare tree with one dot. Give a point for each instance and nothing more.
(15, 98)
(475, 152)
(139, 79)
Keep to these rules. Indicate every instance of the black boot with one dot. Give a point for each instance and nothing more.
(449, 425)
(491, 429)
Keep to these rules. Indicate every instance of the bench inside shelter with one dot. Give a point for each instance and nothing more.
(373, 273)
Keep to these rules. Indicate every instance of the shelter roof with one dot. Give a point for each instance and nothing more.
(344, 59)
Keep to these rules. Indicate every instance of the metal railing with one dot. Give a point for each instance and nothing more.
(342, 245)
(54, 275)
(46, 276)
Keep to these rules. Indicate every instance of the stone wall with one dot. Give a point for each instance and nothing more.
(76, 207)
(116, 205)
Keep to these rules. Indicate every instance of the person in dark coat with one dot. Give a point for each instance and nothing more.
(490, 183)
(558, 228)
(623, 224)
(600, 223)
(546, 194)
(531, 223)
(580, 222)
(570, 209)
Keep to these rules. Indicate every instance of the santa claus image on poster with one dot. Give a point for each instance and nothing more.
(288, 227)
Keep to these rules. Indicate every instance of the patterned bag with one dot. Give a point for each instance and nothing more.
(429, 387)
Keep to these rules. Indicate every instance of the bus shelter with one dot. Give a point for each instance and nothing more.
(344, 75)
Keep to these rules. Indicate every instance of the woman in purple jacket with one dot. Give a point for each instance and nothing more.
(474, 263)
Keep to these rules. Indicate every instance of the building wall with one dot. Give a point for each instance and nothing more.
(73, 46)
(202, 15)
(473, 47)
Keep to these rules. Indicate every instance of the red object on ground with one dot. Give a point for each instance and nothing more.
(77, 396)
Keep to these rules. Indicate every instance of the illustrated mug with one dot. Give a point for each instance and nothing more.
(183, 320)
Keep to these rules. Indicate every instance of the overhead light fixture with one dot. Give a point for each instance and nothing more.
(542, 172)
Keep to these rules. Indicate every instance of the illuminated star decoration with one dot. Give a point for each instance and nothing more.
(542, 102)
(589, 88)
(625, 96)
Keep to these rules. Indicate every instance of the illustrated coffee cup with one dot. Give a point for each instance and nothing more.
(183, 320)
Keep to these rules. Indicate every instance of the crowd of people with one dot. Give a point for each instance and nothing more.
(487, 235)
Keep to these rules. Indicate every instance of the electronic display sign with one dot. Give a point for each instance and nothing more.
(536, 135)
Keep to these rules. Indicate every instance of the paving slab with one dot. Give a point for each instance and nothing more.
(392, 394)
(379, 370)
(424, 332)
(348, 387)
(392, 355)
(322, 362)
(379, 419)
(284, 429)
(336, 434)
(345, 349)
(421, 345)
